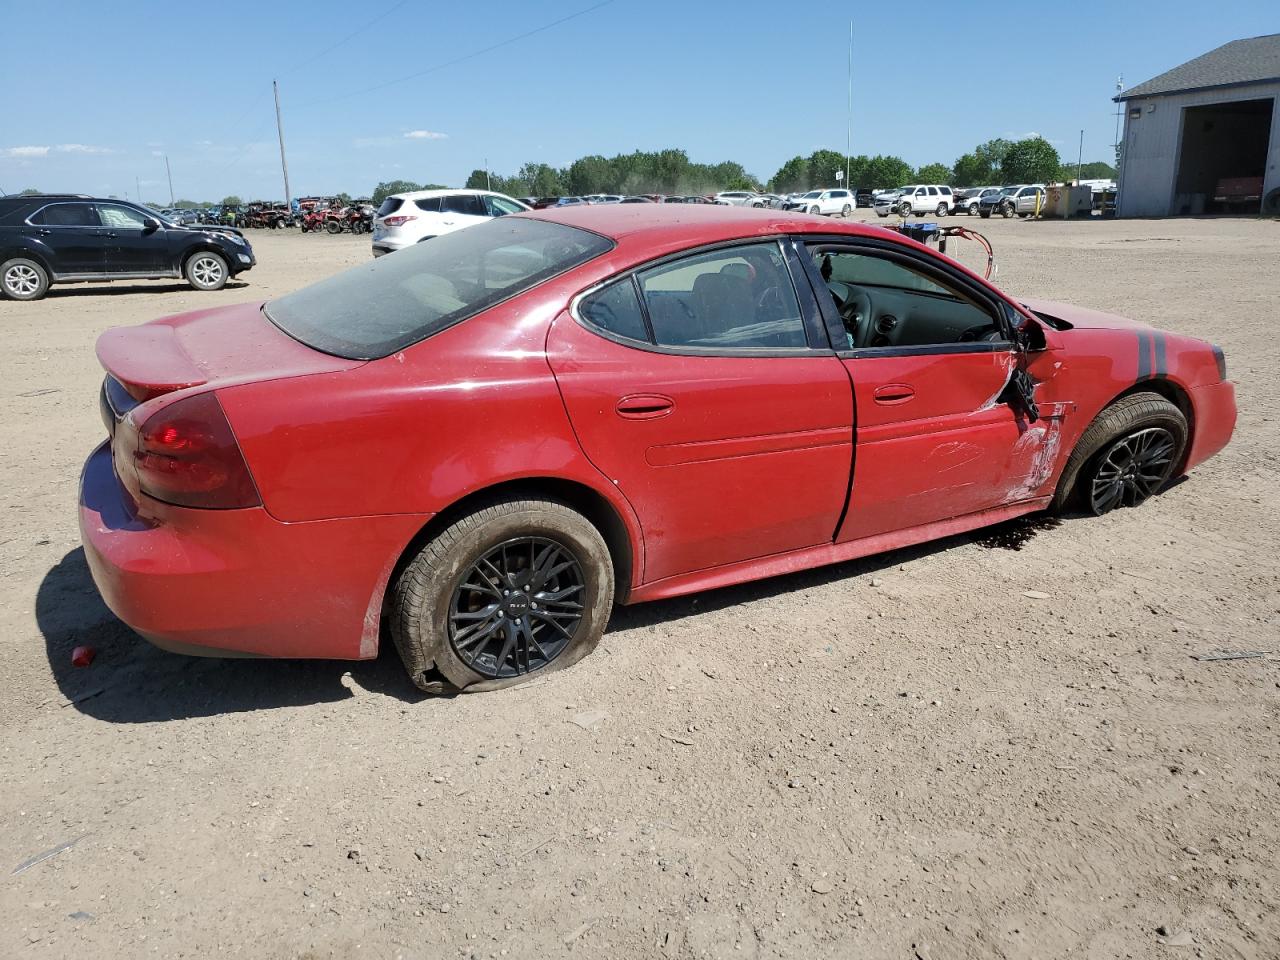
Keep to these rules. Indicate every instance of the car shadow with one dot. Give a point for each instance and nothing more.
(130, 681)
(123, 288)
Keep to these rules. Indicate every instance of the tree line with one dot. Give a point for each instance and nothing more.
(1030, 160)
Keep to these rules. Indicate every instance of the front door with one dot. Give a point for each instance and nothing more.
(931, 358)
(718, 410)
(130, 246)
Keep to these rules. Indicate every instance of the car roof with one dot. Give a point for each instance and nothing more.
(656, 227)
(423, 194)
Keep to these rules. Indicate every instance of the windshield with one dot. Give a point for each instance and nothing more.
(813, 193)
(377, 308)
(1006, 191)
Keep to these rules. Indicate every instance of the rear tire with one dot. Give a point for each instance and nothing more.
(438, 615)
(941, 210)
(844, 211)
(333, 227)
(23, 279)
(206, 271)
(1136, 420)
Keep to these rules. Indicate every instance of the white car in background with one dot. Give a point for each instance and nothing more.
(736, 198)
(824, 202)
(408, 218)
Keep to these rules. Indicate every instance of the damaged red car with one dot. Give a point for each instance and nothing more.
(478, 445)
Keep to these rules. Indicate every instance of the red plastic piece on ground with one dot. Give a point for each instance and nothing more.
(82, 656)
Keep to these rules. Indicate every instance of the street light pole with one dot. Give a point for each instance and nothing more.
(848, 116)
(169, 173)
(284, 167)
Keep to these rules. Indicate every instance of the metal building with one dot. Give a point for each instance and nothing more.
(1205, 137)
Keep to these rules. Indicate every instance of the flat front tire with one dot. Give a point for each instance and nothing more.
(23, 279)
(514, 590)
(1126, 455)
(206, 271)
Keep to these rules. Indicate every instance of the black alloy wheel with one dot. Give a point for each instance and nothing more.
(1132, 469)
(517, 607)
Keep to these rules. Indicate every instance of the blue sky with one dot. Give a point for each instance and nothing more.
(756, 82)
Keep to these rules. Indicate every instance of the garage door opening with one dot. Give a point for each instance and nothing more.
(1223, 159)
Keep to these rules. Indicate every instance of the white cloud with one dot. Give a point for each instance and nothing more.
(82, 148)
(20, 152)
(425, 135)
(77, 148)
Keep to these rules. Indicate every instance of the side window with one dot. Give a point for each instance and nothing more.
(946, 191)
(66, 215)
(428, 204)
(886, 302)
(933, 191)
(617, 310)
(501, 206)
(735, 299)
(464, 203)
(122, 217)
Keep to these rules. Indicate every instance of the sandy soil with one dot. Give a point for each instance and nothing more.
(901, 757)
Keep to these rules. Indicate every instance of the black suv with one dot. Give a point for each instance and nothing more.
(67, 238)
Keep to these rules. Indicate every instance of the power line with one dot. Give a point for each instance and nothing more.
(462, 59)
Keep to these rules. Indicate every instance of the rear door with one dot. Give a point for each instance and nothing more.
(931, 357)
(462, 210)
(72, 232)
(130, 246)
(715, 404)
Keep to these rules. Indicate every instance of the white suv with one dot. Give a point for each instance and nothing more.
(930, 198)
(825, 202)
(408, 218)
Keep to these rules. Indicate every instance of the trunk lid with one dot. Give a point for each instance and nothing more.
(221, 346)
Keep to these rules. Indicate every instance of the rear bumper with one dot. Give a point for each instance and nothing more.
(239, 582)
(1214, 411)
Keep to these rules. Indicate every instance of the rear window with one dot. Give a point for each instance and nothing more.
(380, 307)
(389, 206)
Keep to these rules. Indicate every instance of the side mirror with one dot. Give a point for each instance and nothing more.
(150, 225)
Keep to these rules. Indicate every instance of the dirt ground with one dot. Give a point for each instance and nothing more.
(903, 757)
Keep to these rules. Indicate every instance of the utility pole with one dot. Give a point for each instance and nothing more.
(169, 173)
(1080, 156)
(288, 202)
(137, 185)
(487, 184)
(1119, 114)
(848, 116)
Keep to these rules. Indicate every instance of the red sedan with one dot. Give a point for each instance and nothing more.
(480, 444)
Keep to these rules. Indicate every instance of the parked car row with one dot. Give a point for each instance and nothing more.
(940, 200)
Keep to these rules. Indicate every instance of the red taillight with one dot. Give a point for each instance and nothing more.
(188, 456)
(396, 221)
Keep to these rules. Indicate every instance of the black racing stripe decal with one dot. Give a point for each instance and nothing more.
(1144, 356)
(1161, 370)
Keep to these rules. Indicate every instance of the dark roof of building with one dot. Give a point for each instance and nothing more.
(1254, 60)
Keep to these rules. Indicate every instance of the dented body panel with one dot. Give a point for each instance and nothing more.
(735, 467)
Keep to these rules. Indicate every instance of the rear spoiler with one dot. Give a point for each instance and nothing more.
(147, 360)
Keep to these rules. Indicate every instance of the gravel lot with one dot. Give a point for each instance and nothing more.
(901, 757)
